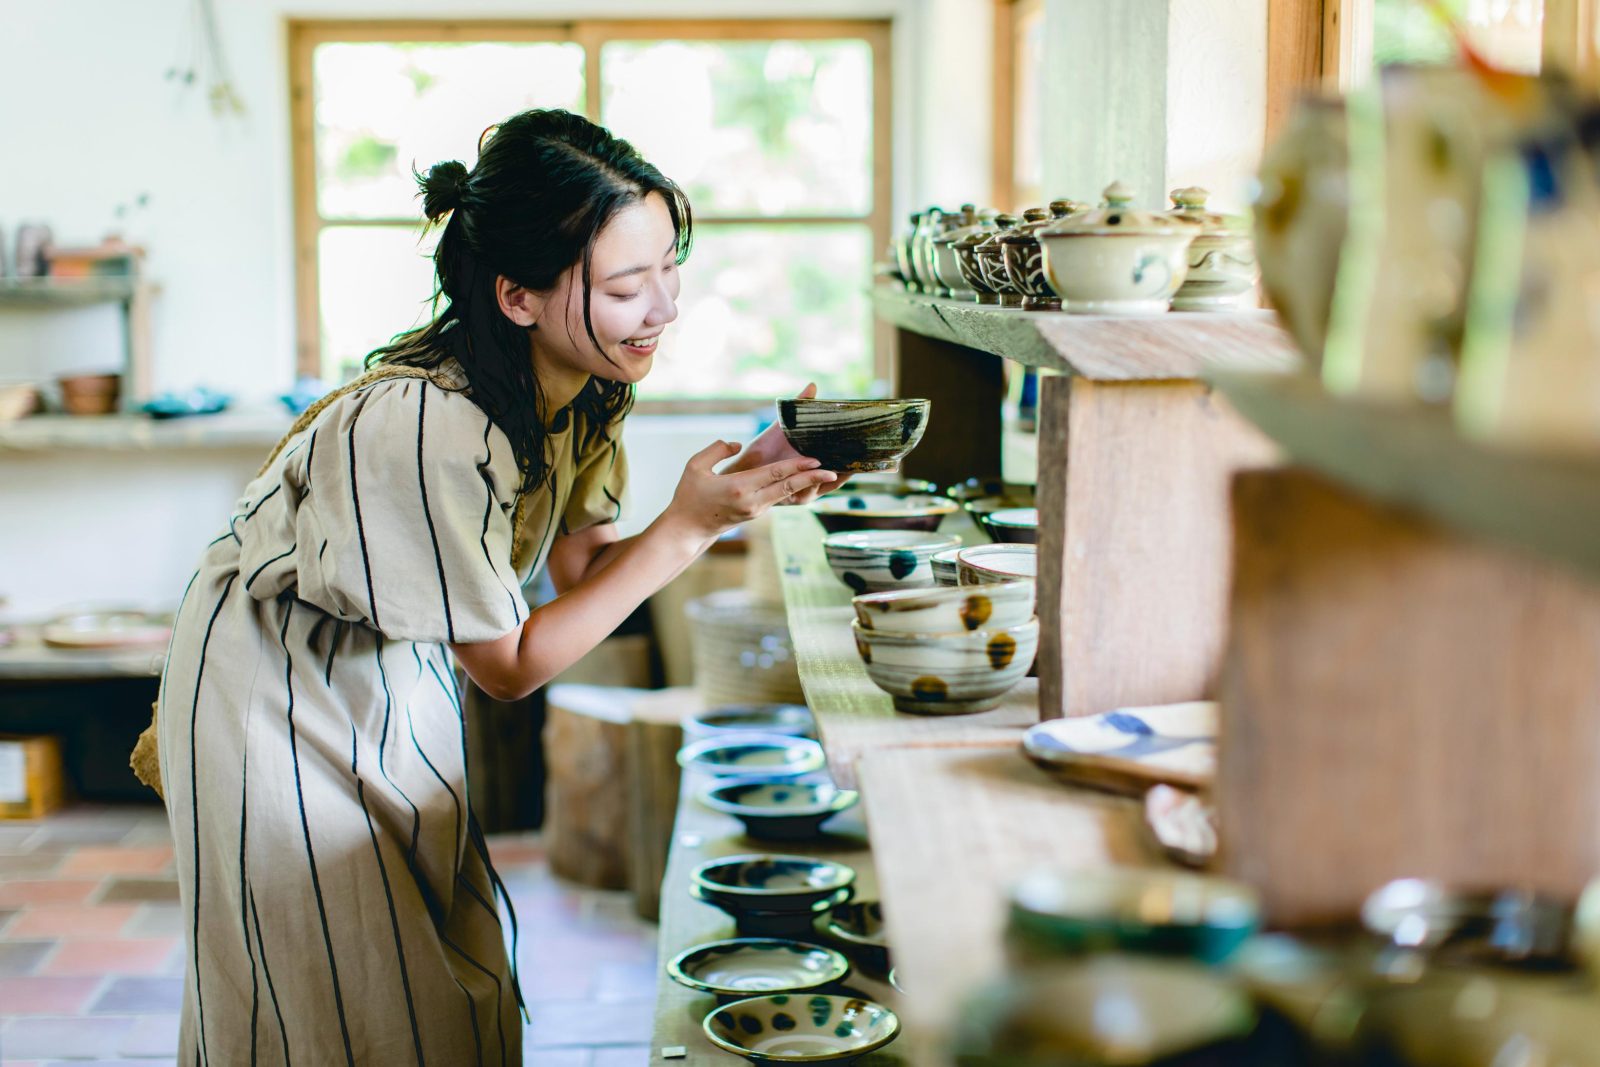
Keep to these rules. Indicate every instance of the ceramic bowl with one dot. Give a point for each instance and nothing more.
(981, 498)
(881, 511)
(990, 564)
(754, 920)
(858, 925)
(1165, 912)
(1116, 260)
(791, 720)
(946, 569)
(780, 809)
(801, 1029)
(946, 609)
(870, 561)
(773, 896)
(1014, 525)
(854, 435)
(743, 966)
(947, 673)
(1509, 927)
(886, 482)
(735, 755)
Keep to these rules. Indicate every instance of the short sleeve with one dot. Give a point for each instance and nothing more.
(598, 485)
(402, 498)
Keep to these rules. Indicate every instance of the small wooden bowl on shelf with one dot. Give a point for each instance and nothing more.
(90, 394)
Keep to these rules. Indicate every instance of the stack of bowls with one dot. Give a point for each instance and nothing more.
(947, 650)
(996, 564)
(773, 896)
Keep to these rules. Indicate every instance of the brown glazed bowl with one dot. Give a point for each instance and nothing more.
(854, 435)
(90, 394)
(881, 511)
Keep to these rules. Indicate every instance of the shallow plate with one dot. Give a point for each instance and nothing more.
(108, 629)
(780, 809)
(753, 755)
(791, 720)
(801, 1029)
(742, 966)
(1130, 749)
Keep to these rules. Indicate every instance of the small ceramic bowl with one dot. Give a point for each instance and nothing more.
(780, 809)
(801, 1029)
(982, 497)
(947, 673)
(858, 925)
(869, 561)
(886, 482)
(773, 896)
(854, 435)
(1015, 525)
(881, 511)
(790, 720)
(946, 570)
(1509, 927)
(743, 966)
(946, 609)
(1164, 912)
(753, 756)
(990, 564)
(756, 920)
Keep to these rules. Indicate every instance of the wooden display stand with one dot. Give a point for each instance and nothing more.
(1400, 701)
(586, 741)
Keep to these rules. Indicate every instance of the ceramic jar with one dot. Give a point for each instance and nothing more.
(1024, 259)
(928, 226)
(902, 254)
(989, 256)
(942, 222)
(972, 272)
(1116, 260)
(946, 260)
(1222, 270)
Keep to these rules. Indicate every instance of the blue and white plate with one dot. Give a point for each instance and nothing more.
(1130, 749)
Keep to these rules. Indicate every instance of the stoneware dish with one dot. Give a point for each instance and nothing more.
(1508, 927)
(743, 966)
(1165, 912)
(946, 569)
(870, 561)
(780, 809)
(808, 1029)
(886, 482)
(790, 720)
(854, 435)
(989, 564)
(1116, 260)
(1222, 272)
(756, 921)
(858, 925)
(980, 498)
(880, 511)
(773, 896)
(1014, 525)
(1130, 749)
(947, 673)
(735, 755)
(946, 609)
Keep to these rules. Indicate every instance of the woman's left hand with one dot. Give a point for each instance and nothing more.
(770, 446)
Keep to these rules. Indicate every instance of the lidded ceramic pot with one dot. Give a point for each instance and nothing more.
(927, 226)
(966, 248)
(943, 222)
(1116, 259)
(1222, 270)
(946, 261)
(902, 252)
(989, 256)
(1024, 261)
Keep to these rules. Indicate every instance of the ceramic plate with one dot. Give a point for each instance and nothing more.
(743, 966)
(792, 720)
(108, 629)
(801, 1029)
(1130, 749)
(753, 755)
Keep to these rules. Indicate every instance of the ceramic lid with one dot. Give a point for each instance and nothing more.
(1189, 205)
(1032, 219)
(1116, 217)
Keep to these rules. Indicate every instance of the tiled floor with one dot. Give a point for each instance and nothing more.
(91, 968)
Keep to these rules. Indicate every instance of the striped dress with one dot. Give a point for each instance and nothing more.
(338, 901)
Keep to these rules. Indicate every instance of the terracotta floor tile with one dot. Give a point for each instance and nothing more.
(75, 922)
(14, 836)
(18, 959)
(120, 859)
(139, 891)
(47, 996)
(29, 864)
(50, 1037)
(45, 891)
(118, 956)
(5, 917)
(64, 838)
(140, 996)
(151, 1035)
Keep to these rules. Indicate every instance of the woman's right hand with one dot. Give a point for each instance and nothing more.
(707, 504)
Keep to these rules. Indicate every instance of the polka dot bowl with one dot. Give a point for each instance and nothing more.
(807, 1029)
(947, 609)
(745, 966)
(870, 561)
(947, 673)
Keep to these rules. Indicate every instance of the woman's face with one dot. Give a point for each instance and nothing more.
(634, 274)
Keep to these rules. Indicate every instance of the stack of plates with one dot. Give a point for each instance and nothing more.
(742, 651)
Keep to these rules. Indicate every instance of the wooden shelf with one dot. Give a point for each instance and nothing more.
(1413, 458)
(700, 835)
(68, 292)
(1177, 345)
(259, 429)
(853, 715)
(30, 659)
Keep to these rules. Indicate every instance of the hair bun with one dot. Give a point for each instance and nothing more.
(442, 189)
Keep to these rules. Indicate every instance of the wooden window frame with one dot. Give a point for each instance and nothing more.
(1003, 174)
(304, 35)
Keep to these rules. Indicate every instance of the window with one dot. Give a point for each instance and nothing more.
(1505, 32)
(778, 132)
(1019, 27)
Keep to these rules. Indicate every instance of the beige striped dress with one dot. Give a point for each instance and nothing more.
(338, 900)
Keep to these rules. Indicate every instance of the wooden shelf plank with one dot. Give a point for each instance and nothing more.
(67, 292)
(30, 659)
(952, 829)
(1104, 347)
(254, 429)
(699, 835)
(853, 715)
(1413, 458)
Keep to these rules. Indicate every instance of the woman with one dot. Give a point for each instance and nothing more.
(338, 899)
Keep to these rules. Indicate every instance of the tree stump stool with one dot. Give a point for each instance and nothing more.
(588, 792)
(654, 736)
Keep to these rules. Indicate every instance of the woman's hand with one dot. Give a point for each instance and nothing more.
(708, 504)
(771, 446)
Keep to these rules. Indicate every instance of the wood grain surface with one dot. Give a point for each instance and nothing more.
(1400, 701)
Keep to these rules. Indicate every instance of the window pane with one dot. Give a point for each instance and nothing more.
(749, 127)
(765, 309)
(382, 109)
(1027, 160)
(374, 282)
(1506, 32)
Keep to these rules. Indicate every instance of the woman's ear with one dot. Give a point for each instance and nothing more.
(522, 306)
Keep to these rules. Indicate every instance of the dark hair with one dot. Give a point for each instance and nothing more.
(546, 184)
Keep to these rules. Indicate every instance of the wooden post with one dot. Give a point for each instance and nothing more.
(1399, 701)
(1134, 541)
(967, 388)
